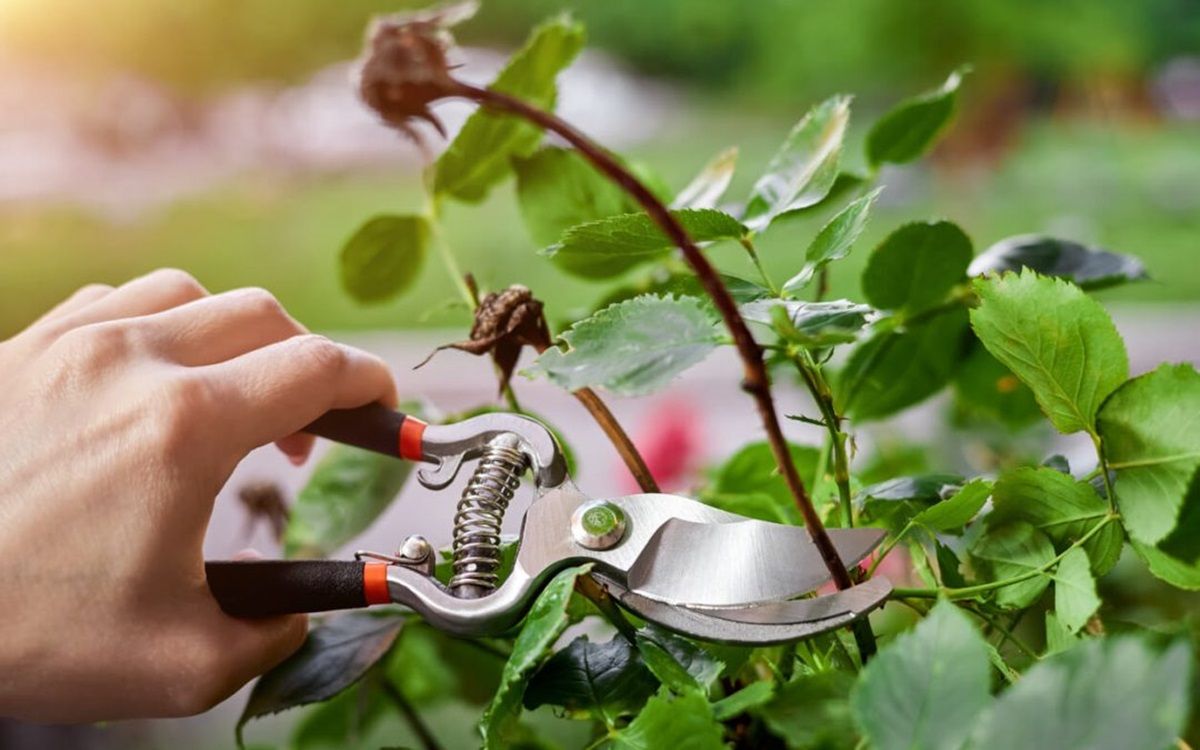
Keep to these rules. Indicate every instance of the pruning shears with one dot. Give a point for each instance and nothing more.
(687, 566)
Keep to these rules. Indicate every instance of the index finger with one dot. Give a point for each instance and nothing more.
(281, 388)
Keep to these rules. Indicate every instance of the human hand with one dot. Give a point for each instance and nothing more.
(122, 413)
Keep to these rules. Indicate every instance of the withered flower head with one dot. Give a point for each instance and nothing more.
(505, 322)
(404, 67)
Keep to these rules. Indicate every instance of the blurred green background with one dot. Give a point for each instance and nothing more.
(1081, 119)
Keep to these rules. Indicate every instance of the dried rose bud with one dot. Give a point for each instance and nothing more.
(404, 67)
(265, 501)
(505, 322)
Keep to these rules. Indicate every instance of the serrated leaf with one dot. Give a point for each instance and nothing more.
(896, 501)
(1060, 507)
(804, 169)
(1087, 267)
(609, 247)
(955, 511)
(897, 369)
(707, 187)
(1075, 599)
(910, 128)
(916, 265)
(347, 491)
(383, 257)
(925, 689)
(1151, 436)
(752, 696)
(1009, 551)
(604, 680)
(834, 240)
(1112, 693)
(632, 347)
(1171, 569)
(811, 324)
(1056, 339)
(557, 189)
(543, 625)
(812, 711)
(337, 653)
(481, 154)
(682, 723)
(987, 388)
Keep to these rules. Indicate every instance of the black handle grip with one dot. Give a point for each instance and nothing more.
(264, 588)
(373, 427)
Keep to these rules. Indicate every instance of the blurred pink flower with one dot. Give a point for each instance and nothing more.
(670, 439)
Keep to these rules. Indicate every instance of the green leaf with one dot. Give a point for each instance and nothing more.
(1087, 267)
(1151, 435)
(1058, 636)
(1060, 507)
(834, 240)
(543, 625)
(346, 493)
(1171, 569)
(949, 573)
(706, 188)
(986, 388)
(602, 680)
(481, 154)
(1112, 693)
(925, 689)
(812, 711)
(1075, 599)
(611, 246)
(749, 483)
(811, 324)
(955, 511)
(557, 189)
(345, 720)
(700, 668)
(752, 696)
(896, 369)
(431, 667)
(911, 128)
(383, 257)
(804, 169)
(337, 652)
(1056, 339)
(685, 285)
(895, 501)
(682, 723)
(1012, 550)
(632, 347)
(916, 265)
(670, 672)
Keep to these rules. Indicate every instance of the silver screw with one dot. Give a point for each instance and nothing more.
(598, 525)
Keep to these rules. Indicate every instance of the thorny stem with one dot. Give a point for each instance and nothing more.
(968, 592)
(414, 720)
(755, 380)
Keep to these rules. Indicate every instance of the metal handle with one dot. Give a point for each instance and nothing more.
(266, 588)
(375, 428)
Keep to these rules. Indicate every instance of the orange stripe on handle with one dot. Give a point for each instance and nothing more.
(412, 431)
(375, 584)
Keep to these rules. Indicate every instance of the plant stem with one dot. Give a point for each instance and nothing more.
(823, 395)
(747, 243)
(755, 380)
(887, 548)
(598, 595)
(414, 720)
(619, 438)
(450, 262)
(968, 592)
(1105, 471)
(1006, 633)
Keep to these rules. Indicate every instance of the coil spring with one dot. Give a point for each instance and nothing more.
(479, 515)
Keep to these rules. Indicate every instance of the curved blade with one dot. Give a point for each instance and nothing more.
(760, 625)
(746, 562)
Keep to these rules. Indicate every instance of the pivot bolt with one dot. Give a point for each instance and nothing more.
(598, 525)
